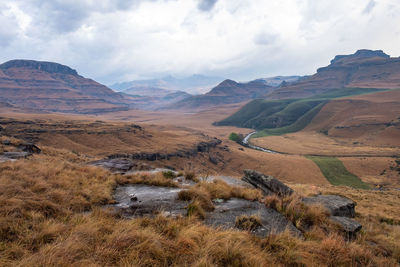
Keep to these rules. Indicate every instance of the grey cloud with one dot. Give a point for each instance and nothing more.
(369, 7)
(265, 38)
(206, 5)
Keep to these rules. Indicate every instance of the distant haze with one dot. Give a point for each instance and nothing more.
(125, 40)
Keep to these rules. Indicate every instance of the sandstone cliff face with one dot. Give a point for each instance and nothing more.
(48, 86)
(365, 69)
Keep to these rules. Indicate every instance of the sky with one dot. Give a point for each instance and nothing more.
(122, 40)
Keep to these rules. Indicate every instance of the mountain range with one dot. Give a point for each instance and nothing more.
(357, 95)
(231, 92)
(364, 69)
(194, 84)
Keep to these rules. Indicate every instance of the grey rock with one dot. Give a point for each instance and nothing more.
(143, 200)
(337, 205)
(272, 222)
(16, 155)
(150, 200)
(268, 184)
(115, 165)
(349, 226)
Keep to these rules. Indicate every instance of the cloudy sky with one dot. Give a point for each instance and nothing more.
(120, 40)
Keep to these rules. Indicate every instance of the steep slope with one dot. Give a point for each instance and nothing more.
(48, 86)
(365, 69)
(227, 92)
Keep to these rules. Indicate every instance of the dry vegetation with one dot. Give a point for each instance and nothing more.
(51, 215)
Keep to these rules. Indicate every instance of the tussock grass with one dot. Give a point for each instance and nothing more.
(304, 217)
(248, 223)
(205, 192)
(51, 215)
(158, 179)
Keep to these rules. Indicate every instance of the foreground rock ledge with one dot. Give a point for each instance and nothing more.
(268, 184)
(341, 209)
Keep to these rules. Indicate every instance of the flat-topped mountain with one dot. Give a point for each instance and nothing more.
(49, 86)
(363, 69)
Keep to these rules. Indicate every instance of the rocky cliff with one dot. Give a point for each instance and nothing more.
(365, 69)
(48, 86)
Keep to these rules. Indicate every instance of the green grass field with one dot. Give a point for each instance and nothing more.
(336, 173)
(276, 117)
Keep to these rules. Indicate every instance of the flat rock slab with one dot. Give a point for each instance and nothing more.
(120, 165)
(272, 222)
(337, 205)
(229, 180)
(140, 200)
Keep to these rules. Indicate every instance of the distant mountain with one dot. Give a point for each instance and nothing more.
(227, 92)
(348, 83)
(48, 86)
(155, 102)
(194, 84)
(279, 80)
(363, 69)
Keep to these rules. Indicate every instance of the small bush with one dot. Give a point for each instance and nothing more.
(238, 138)
(169, 174)
(248, 223)
(195, 209)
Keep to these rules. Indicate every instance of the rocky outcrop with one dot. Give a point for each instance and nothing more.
(143, 200)
(18, 151)
(349, 226)
(337, 205)
(268, 184)
(200, 147)
(271, 221)
(341, 209)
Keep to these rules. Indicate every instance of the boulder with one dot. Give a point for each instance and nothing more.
(336, 205)
(349, 226)
(30, 148)
(268, 184)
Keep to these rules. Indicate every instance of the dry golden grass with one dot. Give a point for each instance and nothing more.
(204, 192)
(247, 223)
(304, 217)
(158, 179)
(51, 215)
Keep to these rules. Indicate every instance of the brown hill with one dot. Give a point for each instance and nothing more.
(227, 92)
(48, 86)
(365, 69)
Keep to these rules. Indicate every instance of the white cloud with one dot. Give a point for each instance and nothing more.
(121, 40)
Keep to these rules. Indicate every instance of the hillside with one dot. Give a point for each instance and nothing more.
(365, 69)
(227, 92)
(52, 87)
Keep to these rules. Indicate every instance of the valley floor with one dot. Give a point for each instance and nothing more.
(52, 214)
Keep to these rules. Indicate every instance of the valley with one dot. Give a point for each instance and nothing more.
(154, 186)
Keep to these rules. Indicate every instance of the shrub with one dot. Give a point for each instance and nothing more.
(248, 223)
